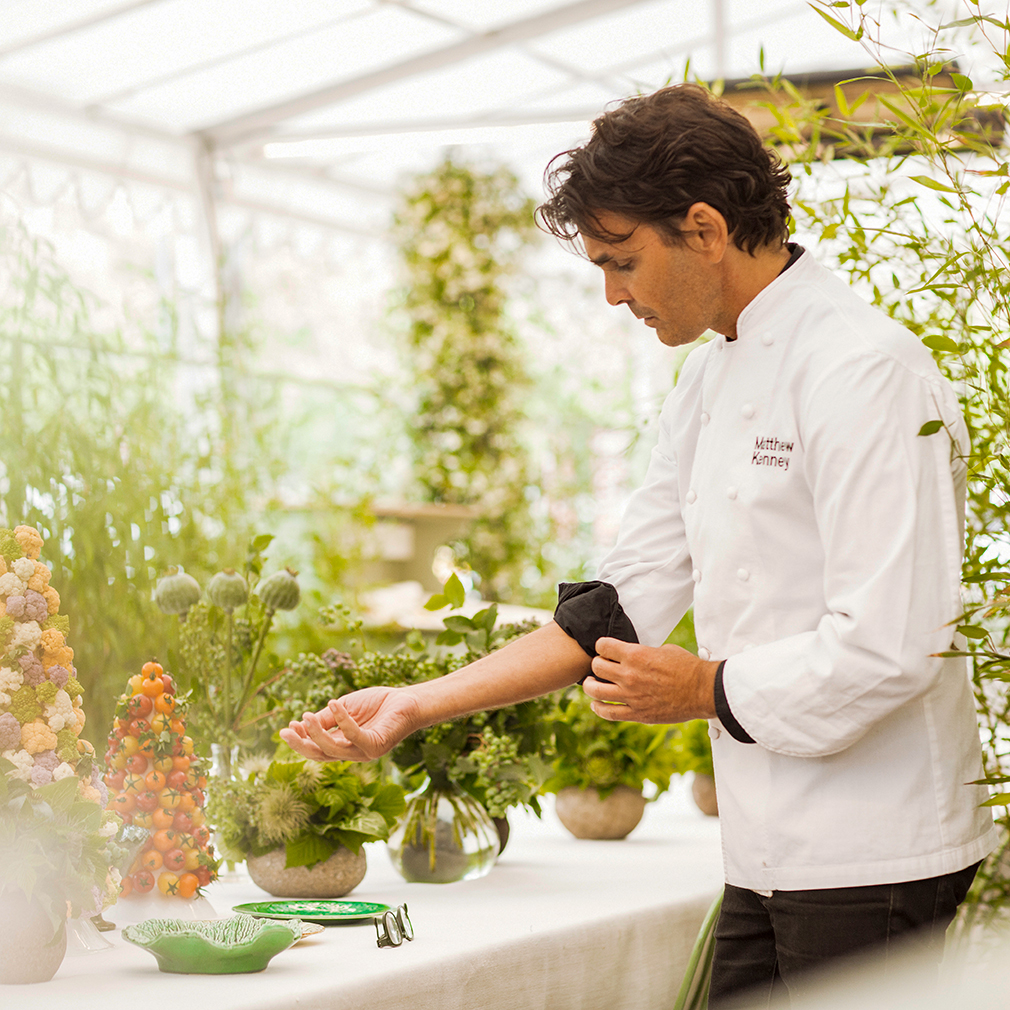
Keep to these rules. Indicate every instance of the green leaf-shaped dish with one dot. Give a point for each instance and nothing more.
(219, 947)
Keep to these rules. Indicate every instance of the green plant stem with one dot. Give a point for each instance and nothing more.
(251, 673)
(227, 672)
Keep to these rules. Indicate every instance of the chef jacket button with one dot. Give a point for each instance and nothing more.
(747, 410)
(691, 497)
(705, 418)
(714, 732)
(767, 340)
(703, 653)
(731, 492)
(696, 575)
(742, 574)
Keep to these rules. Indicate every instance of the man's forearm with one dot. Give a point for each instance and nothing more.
(543, 661)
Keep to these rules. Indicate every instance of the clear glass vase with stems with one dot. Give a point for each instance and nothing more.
(444, 835)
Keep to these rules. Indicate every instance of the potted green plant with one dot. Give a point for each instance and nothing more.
(221, 658)
(300, 825)
(57, 854)
(602, 766)
(465, 775)
(693, 750)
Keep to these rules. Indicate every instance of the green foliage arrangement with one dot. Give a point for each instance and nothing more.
(221, 660)
(461, 232)
(501, 757)
(595, 753)
(310, 808)
(916, 216)
(56, 847)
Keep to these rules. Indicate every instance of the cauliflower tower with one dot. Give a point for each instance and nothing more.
(41, 717)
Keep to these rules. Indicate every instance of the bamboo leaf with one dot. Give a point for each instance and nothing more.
(931, 427)
(837, 25)
(938, 342)
(925, 180)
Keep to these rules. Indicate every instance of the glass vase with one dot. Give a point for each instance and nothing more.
(444, 835)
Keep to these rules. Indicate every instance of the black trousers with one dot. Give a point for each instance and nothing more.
(765, 945)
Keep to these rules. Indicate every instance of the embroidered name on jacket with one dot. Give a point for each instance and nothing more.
(771, 452)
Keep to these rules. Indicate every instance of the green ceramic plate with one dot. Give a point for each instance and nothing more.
(310, 910)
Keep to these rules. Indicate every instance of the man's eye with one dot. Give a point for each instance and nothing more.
(623, 267)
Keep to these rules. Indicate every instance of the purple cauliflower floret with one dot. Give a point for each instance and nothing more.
(10, 732)
(59, 675)
(36, 608)
(16, 607)
(41, 776)
(103, 789)
(31, 668)
(47, 759)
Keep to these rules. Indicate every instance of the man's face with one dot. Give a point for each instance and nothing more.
(670, 286)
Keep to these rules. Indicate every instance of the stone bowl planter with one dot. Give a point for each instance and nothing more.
(334, 878)
(703, 791)
(587, 816)
(26, 951)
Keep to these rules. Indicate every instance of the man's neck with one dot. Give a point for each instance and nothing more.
(747, 275)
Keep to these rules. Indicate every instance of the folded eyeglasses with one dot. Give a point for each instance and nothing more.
(393, 927)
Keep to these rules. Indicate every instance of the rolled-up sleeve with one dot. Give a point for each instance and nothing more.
(886, 502)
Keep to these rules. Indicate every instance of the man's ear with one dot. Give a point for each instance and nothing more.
(705, 231)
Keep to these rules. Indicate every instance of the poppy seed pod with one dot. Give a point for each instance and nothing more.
(176, 592)
(280, 591)
(227, 590)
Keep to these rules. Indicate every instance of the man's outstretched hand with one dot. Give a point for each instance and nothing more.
(358, 727)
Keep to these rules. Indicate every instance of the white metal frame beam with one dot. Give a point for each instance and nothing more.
(259, 123)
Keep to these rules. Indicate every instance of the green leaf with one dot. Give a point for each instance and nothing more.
(929, 183)
(961, 82)
(987, 577)
(448, 638)
(454, 591)
(437, 602)
(838, 26)
(973, 631)
(260, 543)
(937, 342)
(458, 623)
(931, 427)
(307, 850)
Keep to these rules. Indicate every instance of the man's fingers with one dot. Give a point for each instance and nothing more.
(614, 713)
(600, 690)
(301, 744)
(614, 649)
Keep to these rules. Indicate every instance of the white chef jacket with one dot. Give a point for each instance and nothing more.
(819, 537)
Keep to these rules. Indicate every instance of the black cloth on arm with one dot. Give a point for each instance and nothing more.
(722, 710)
(587, 611)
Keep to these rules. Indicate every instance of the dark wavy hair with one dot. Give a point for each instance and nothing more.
(654, 156)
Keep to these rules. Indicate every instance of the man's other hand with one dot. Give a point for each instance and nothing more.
(646, 684)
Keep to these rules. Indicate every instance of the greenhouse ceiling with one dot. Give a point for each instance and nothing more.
(313, 109)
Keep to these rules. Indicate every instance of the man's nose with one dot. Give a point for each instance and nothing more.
(616, 292)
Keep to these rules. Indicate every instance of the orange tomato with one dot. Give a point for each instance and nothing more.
(163, 765)
(151, 669)
(143, 819)
(152, 686)
(168, 883)
(163, 818)
(123, 803)
(134, 784)
(170, 799)
(165, 703)
(178, 727)
(188, 883)
(180, 763)
(186, 802)
(125, 887)
(155, 781)
(152, 860)
(165, 839)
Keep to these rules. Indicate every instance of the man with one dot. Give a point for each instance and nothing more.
(792, 501)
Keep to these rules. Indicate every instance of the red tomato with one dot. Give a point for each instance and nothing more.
(114, 780)
(147, 800)
(176, 779)
(182, 821)
(169, 684)
(139, 706)
(204, 875)
(201, 834)
(137, 764)
(198, 797)
(143, 881)
(175, 860)
(138, 726)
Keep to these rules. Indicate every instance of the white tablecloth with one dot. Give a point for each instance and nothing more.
(557, 923)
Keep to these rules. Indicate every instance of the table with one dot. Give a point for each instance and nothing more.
(558, 923)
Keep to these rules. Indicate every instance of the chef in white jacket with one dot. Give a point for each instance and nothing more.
(793, 501)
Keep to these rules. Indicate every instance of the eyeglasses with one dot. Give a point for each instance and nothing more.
(393, 927)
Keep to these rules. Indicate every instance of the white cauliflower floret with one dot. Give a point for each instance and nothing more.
(60, 712)
(10, 681)
(27, 634)
(23, 762)
(62, 771)
(24, 569)
(11, 585)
